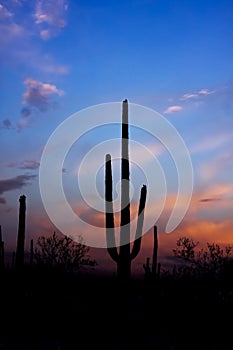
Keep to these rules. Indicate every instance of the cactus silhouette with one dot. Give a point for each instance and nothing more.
(124, 256)
(154, 271)
(19, 257)
(155, 253)
(1, 250)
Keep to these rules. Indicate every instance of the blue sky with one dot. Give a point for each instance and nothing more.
(175, 57)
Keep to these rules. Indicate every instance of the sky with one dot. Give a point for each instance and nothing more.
(59, 58)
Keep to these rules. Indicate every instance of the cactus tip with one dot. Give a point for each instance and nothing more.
(108, 157)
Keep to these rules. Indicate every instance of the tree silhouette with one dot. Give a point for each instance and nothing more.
(211, 259)
(62, 252)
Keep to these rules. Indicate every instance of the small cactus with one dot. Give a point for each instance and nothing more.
(154, 271)
(19, 257)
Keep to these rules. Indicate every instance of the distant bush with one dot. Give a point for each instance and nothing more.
(209, 260)
(62, 252)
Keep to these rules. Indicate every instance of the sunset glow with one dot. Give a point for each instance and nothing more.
(173, 57)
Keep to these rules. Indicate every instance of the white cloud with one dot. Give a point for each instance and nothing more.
(195, 95)
(173, 109)
(205, 92)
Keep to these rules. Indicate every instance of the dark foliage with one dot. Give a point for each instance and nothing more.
(62, 252)
(211, 260)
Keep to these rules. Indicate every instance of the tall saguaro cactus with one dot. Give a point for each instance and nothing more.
(19, 257)
(124, 256)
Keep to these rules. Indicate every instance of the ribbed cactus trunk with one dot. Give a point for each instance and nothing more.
(124, 264)
(1, 251)
(19, 257)
(124, 257)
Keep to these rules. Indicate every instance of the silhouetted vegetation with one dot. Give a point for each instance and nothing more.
(124, 257)
(209, 260)
(46, 304)
(152, 272)
(62, 252)
(45, 309)
(19, 256)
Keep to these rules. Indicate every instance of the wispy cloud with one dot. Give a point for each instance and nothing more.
(14, 183)
(6, 124)
(210, 199)
(9, 28)
(4, 12)
(54, 68)
(25, 164)
(50, 17)
(211, 143)
(188, 96)
(195, 95)
(219, 193)
(220, 165)
(21, 24)
(205, 92)
(173, 109)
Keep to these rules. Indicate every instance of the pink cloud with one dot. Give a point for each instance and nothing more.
(217, 166)
(50, 17)
(55, 69)
(210, 143)
(188, 96)
(195, 95)
(39, 94)
(173, 109)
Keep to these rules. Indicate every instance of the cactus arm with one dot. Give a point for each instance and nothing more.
(138, 236)
(109, 215)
